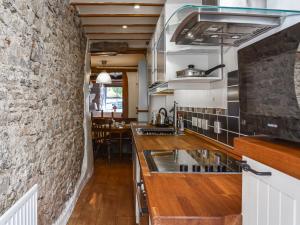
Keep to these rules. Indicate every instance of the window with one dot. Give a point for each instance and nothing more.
(113, 98)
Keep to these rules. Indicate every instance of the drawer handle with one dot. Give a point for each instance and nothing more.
(246, 167)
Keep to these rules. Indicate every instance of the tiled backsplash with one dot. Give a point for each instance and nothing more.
(202, 120)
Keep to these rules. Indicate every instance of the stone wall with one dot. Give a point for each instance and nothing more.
(41, 102)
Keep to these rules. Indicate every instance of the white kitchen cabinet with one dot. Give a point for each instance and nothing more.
(160, 48)
(270, 200)
(155, 54)
(140, 203)
(154, 65)
(161, 59)
(150, 63)
(143, 104)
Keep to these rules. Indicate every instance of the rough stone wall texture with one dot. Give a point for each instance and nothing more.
(41, 102)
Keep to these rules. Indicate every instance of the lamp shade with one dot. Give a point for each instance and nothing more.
(103, 78)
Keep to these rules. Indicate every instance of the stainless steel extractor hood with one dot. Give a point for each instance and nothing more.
(216, 28)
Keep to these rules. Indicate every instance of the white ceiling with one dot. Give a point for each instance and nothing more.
(103, 20)
(121, 60)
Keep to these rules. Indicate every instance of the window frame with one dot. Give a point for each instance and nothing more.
(114, 98)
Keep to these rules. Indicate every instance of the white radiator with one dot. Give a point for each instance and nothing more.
(24, 211)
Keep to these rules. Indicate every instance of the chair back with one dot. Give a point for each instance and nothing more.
(95, 114)
(101, 129)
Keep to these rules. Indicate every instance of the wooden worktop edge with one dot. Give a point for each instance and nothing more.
(280, 155)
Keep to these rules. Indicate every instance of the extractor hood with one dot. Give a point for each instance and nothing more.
(160, 89)
(214, 28)
(218, 25)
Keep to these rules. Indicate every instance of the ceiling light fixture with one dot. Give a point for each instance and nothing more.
(190, 35)
(235, 36)
(103, 77)
(199, 39)
(124, 26)
(106, 53)
(214, 36)
(137, 6)
(213, 29)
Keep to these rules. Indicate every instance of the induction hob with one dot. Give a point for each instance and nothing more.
(190, 161)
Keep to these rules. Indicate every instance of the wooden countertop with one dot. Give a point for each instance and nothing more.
(189, 199)
(194, 199)
(281, 155)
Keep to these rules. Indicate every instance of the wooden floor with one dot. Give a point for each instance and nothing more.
(107, 199)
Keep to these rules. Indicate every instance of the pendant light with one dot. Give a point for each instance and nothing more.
(103, 77)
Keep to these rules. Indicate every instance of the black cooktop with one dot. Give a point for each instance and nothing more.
(156, 131)
(195, 161)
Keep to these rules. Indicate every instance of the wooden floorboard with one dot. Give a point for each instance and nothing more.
(107, 199)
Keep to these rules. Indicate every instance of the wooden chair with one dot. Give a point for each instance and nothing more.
(101, 131)
(96, 114)
(127, 139)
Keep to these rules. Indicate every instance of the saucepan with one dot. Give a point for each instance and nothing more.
(192, 72)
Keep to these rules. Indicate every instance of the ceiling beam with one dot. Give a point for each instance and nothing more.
(129, 21)
(131, 43)
(116, 4)
(111, 10)
(118, 29)
(119, 15)
(114, 69)
(120, 34)
(129, 51)
(140, 2)
(114, 36)
(118, 25)
(108, 39)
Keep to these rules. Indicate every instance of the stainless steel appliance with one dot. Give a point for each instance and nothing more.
(186, 161)
(161, 131)
(162, 119)
(191, 71)
(225, 23)
(175, 117)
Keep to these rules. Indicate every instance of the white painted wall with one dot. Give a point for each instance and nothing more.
(132, 94)
(270, 4)
(161, 101)
(143, 91)
(175, 63)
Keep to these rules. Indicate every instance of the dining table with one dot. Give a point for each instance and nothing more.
(117, 129)
(120, 130)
